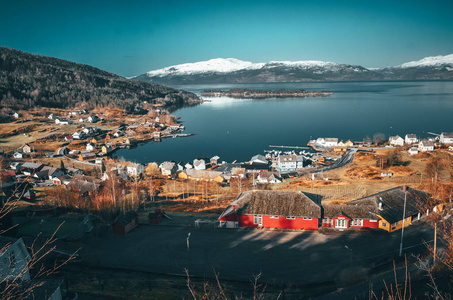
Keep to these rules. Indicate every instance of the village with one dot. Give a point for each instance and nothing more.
(66, 172)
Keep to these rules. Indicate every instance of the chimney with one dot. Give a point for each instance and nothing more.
(405, 188)
(380, 203)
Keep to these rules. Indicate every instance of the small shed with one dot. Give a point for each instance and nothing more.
(125, 223)
(154, 218)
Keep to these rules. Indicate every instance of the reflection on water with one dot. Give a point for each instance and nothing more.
(240, 128)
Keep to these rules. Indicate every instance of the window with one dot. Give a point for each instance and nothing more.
(255, 219)
(306, 218)
(290, 218)
(260, 220)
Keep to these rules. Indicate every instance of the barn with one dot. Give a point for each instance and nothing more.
(273, 209)
(125, 223)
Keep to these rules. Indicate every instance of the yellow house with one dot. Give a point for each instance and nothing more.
(204, 175)
(390, 205)
(349, 143)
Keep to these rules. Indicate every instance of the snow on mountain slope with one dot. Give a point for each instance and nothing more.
(226, 65)
(429, 61)
(219, 65)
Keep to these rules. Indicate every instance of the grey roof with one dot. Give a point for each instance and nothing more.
(276, 203)
(30, 165)
(448, 134)
(411, 136)
(258, 157)
(393, 203)
(358, 211)
(427, 143)
(287, 157)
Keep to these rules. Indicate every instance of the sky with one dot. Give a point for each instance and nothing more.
(130, 38)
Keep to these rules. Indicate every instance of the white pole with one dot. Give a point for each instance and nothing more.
(404, 217)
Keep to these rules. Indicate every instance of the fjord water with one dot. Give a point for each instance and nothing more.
(236, 129)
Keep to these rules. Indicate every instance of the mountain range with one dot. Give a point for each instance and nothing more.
(231, 70)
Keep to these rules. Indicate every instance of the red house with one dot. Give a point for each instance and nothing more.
(273, 209)
(348, 216)
(125, 223)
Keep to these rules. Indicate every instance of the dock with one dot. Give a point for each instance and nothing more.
(291, 147)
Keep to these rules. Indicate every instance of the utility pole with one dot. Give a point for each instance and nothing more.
(435, 244)
(404, 217)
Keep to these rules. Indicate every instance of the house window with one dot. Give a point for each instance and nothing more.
(306, 218)
(260, 220)
(290, 218)
(255, 219)
(341, 223)
(384, 224)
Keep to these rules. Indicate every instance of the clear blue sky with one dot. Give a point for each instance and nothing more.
(132, 37)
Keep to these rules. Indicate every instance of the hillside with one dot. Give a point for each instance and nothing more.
(28, 80)
(232, 70)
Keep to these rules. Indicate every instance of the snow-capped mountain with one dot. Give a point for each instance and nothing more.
(217, 65)
(231, 70)
(430, 61)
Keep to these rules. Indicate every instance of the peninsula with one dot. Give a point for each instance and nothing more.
(264, 94)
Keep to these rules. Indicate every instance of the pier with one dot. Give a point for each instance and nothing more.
(292, 147)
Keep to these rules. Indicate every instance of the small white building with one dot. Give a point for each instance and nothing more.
(425, 145)
(331, 142)
(446, 138)
(410, 138)
(199, 164)
(396, 140)
(134, 169)
(413, 151)
(268, 177)
(168, 168)
(90, 147)
(258, 159)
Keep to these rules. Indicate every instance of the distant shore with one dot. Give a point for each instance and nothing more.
(263, 94)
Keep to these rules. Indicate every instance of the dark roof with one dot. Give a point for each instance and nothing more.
(154, 215)
(227, 167)
(357, 211)
(393, 203)
(126, 218)
(281, 203)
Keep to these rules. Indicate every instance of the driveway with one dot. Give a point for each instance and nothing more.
(238, 254)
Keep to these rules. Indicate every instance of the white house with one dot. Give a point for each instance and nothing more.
(410, 139)
(78, 135)
(52, 117)
(413, 151)
(330, 142)
(168, 168)
(396, 140)
(63, 121)
(199, 164)
(425, 145)
(90, 147)
(258, 159)
(446, 138)
(134, 169)
(287, 163)
(16, 115)
(320, 141)
(268, 177)
(18, 155)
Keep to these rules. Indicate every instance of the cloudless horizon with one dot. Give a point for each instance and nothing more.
(133, 38)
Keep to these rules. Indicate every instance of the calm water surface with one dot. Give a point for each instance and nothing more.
(237, 129)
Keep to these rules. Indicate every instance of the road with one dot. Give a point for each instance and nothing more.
(344, 160)
(282, 257)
